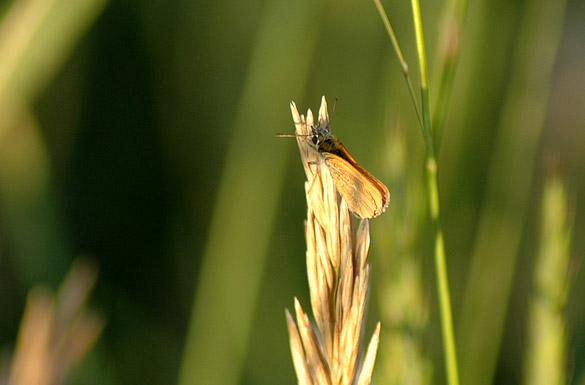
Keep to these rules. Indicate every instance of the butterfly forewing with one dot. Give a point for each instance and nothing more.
(365, 195)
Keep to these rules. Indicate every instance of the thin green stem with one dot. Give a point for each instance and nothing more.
(424, 79)
(433, 196)
(432, 185)
(398, 51)
(442, 277)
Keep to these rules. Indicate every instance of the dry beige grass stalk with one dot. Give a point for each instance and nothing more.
(338, 276)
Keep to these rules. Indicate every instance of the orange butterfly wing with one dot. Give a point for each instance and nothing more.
(365, 195)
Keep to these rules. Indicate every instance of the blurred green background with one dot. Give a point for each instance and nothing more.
(140, 135)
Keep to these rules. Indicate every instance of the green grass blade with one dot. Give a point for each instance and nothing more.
(245, 209)
(510, 178)
(450, 45)
(36, 38)
(547, 338)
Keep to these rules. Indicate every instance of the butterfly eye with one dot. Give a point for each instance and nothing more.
(315, 139)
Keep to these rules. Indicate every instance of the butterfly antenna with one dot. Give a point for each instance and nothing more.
(279, 135)
(334, 105)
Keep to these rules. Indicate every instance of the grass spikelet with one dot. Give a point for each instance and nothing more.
(338, 275)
